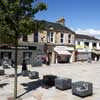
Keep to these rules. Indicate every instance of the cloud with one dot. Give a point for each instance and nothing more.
(91, 32)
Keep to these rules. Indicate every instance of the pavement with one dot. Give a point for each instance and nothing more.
(31, 90)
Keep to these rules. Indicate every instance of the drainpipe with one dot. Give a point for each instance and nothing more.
(75, 50)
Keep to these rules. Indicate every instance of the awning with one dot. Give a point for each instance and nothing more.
(62, 50)
(96, 52)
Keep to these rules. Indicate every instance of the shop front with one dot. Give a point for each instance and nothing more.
(63, 55)
(83, 54)
(95, 55)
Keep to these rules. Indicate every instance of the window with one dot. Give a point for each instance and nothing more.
(51, 36)
(6, 54)
(36, 37)
(25, 38)
(32, 47)
(48, 37)
(69, 38)
(86, 44)
(78, 42)
(27, 54)
(62, 38)
(94, 44)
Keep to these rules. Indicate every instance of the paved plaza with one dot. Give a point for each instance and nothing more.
(31, 89)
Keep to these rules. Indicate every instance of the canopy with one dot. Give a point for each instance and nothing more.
(62, 50)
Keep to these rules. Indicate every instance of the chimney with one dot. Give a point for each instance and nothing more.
(61, 21)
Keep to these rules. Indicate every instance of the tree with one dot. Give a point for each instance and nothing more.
(16, 19)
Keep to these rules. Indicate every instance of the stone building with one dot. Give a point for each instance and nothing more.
(56, 42)
(26, 51)
(87, 47)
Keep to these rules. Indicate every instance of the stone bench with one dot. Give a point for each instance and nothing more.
(25, 73)
(6, 66)
(63, 83)
(82, 89)
(49, 80)
(33, 75)
(2, 72)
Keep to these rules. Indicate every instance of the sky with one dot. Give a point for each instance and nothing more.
(82, 16)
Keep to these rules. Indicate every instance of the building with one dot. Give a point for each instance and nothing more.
(26, 51)
(55, 42)
(87, 47)
(58, 41)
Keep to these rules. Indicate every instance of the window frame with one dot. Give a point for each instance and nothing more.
(93, 44)
(78, 42)
(86, 44)
(69, 38)
(62, 38)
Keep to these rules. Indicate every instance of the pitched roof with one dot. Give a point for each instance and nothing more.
(55, 27)
(80, 36)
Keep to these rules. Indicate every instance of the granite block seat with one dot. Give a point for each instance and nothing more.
(33, 75)
(63, 83)
(49, 80)
(2, 72)
(5, 65)
(25, 73)
(82, 89)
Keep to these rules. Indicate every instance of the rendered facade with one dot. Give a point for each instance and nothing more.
(87, 47)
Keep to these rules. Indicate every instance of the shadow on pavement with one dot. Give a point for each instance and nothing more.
(30, 86)
(3, 84)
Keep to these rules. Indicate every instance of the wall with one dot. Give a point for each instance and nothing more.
(43, 36)
(31, 37)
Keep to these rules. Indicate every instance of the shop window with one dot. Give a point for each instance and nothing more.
(6, 55)
(32, 47)
(27, 54)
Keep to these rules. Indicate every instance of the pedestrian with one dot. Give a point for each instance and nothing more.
(13, 63)
(24, 66)
(89, 60)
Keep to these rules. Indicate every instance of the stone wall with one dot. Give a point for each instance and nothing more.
(21, 53)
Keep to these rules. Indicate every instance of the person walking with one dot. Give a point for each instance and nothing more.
(24, 66)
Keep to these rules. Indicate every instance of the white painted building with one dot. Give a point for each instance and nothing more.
(87, 47)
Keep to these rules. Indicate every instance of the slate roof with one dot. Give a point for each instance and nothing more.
(80, 36)
(56, 27)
